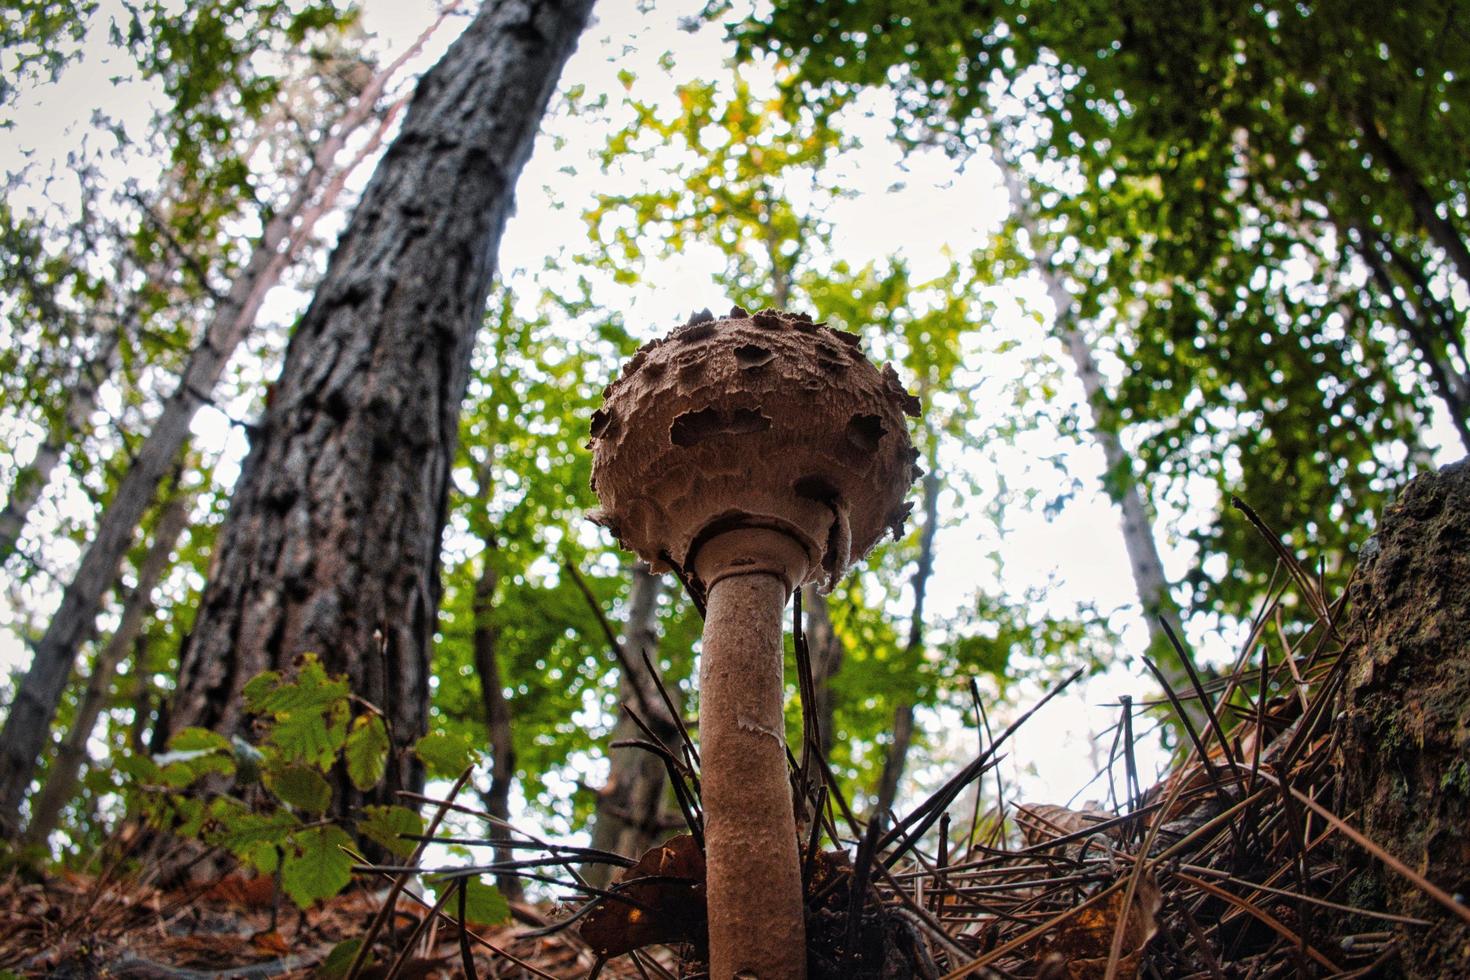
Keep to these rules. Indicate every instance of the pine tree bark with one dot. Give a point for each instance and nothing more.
(1404, 733)
(630, 804)
(27, 724)
(332, 543)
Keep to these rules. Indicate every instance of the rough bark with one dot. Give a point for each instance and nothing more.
(34, 706)
(630, 804)
(486, 645)
(64, 772)
(333, 538)
(1405, 731)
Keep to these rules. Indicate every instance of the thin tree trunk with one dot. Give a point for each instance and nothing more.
(1452, 389)
(1437, 313)
(486, 645)
(630, 804)
(34, 706)
(64, 773)
(903, 717)
(825, 649)
(31, 481)
(333, 539)
(1122, 485)
(1444, 234)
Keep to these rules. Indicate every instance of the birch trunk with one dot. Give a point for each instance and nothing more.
(31, 481)
(903, 717)
(333, 539)
(825, 650)
(1149, 581)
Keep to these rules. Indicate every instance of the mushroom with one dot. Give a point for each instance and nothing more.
(754, 454)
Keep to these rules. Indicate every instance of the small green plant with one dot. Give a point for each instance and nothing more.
(269, 804)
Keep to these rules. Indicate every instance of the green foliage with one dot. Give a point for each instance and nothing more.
(445, 755)
(366, 751)
(38, 39)
(1220, 187)
(339, 960)
(316, 864)
(307, 714)
(387, 826)
(753, 173)
(484, 905)
(201, 788)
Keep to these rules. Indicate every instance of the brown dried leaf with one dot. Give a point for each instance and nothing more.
(1078, 949)
(1041, 822)
(671, 908)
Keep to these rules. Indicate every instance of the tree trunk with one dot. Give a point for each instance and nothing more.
(1452, 387)
(630, 805)
(333, 538)
(28, 722)
(65, 770)
(903, 716)
(1404, 741)
(486, 643)
(30, 482)
(1420, 201)
(1149, 580)
(825, 650)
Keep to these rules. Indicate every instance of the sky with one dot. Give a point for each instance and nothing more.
(920, 207)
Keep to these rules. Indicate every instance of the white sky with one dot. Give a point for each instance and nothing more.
(1079, 553)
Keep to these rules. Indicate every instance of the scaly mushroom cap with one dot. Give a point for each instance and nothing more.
(764, 420)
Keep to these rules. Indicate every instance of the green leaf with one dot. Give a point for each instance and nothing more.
(484, 905)
(258, 688)
(366, 751)
(257, 839)
(385, 824)
(317, 867)
(339, 960)
(307, 714)
(178, 769)
(446, 754)
(300, 786)
(198, 739)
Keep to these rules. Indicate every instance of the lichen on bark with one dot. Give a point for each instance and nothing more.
(1404, 733)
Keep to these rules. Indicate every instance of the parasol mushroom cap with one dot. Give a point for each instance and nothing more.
(747, 421)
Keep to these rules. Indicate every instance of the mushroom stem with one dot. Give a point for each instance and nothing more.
(753, 885)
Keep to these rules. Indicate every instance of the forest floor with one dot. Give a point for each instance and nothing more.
(1250, 858)
(76, 926)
